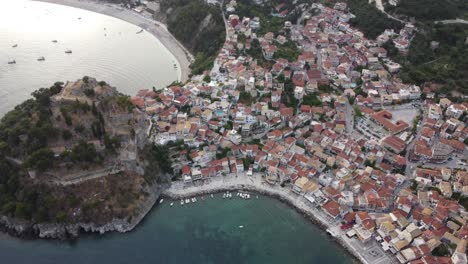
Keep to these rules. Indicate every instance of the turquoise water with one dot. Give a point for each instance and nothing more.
(205, 232)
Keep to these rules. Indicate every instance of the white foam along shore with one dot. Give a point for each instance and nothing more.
(157, 29)
(180, 190)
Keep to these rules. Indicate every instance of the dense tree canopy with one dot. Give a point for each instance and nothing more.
(370, 20)
(431, 9)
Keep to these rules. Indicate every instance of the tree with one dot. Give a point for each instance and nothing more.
(66, 134)
(441, 251)
(84, 152)
(111, 143)
(207, 79)
(41, 159)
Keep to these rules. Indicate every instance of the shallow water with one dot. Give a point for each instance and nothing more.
(203, 232)
(103, 47)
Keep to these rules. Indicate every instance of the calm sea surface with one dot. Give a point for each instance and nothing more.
(203, 232)
(103, 47)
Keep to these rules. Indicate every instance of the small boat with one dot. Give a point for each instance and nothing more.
(12, 62)
(187, 201)
(161, 201)
(172, 204)
(181, 202)
(41, 58)
(141, 31)
(211, 195)
(68, 51)
(241, 226)
(54, 41)
(14, 46)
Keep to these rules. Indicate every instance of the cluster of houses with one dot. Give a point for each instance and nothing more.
(307, 148)
(443, 132)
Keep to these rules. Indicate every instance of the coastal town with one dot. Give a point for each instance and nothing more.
(316, 115)
(284, 99)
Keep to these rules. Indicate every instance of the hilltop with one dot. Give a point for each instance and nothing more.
(75, 154)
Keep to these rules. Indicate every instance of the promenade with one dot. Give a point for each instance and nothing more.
(370, 252)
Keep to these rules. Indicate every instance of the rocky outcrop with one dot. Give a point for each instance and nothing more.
(63, 231)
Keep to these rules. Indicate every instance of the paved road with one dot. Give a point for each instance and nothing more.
(453, 21)
(379, 5)
(349, 118)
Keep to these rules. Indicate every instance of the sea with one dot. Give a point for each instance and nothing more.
(213, 230)
(103, 47)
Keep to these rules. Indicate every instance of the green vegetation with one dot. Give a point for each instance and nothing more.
(447, 64)
(41, 159)
(84, 153)
(357, 112)
(28, 127)
(441, 251)
(288, 51)
(255, 52)
(370, 20)
(200, 27)
(19, 200)
(157, 163)
(287, 97)
(268, 23)
(124, 102)
(245, 98)
(431, 9)
(312, 100)
(223, 153)
(462, 200)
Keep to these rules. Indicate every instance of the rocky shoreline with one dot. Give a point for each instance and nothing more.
(27, 230)
(62, 231)
(266, 190)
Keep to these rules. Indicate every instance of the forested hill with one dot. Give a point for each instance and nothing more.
(70, 154)
(430, 10)
(200, 28)
(370, 20)
(439, 52)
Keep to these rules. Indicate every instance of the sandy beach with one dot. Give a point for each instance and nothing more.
(256, 184)
(157, 29)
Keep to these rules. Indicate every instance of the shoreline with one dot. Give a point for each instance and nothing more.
(61, 231)
(255, 184)
(155, 28)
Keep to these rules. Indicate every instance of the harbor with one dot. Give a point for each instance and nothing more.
(213, 230)
(255, 184)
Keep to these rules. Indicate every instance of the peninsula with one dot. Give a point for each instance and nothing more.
(304, 102)
(75, 158)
